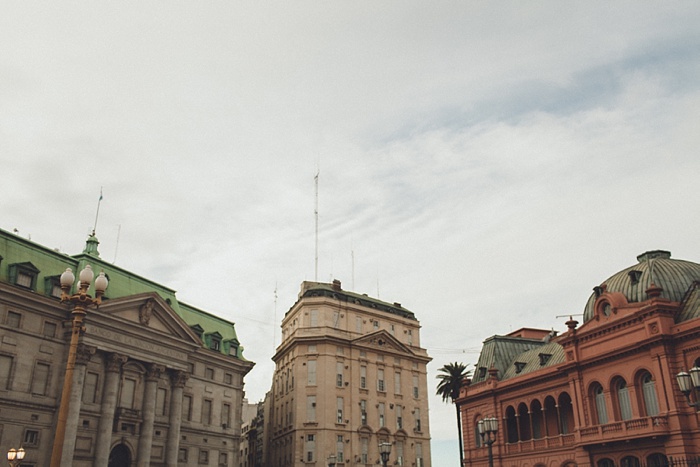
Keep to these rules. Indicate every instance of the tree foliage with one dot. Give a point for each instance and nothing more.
(451, 376)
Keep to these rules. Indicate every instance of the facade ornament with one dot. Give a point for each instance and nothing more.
(84, 353)
(145, 312)
(154, 371)
(179, 378)
(115, 362)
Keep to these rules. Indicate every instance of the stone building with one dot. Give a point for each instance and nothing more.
(350, 374)
(603, 393)
(156, 381)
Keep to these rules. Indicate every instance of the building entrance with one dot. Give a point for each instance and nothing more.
(120, 456)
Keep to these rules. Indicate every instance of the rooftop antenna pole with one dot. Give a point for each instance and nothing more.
(316, 218)
(98, 212)
(116, 247)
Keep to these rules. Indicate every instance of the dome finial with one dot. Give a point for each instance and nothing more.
(91, 245)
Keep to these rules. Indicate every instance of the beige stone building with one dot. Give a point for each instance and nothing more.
(350, 374)
(156, 382)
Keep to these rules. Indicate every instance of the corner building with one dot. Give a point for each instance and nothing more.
(604, 393)
(350, 374)
(156, 382)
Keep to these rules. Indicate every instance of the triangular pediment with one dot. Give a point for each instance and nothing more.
(382, 340)
(151, 313)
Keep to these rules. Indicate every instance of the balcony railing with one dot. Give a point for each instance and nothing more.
(619, 430)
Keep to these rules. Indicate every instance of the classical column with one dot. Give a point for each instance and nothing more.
(178, 378)
(83, 354)
(109, 404)
(148, 411)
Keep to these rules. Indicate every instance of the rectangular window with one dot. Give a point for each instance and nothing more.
(311, 372)
(5, 371)
(363, 377)
(399, 417)
(209, 373)
(339, 449)
(206, 412)
(380, 380)
(127, 396)
(182, 455)
(40, 380)
(419, 455)
(203, 456)
(90, 387)
(392, 330)
(336, 319)
(399, 452)
(375, 325)
(380, 412)
(226, 415)
(49, 329)
(358, 324)
(410, 337)
(187, 407)
(24, 279)
(223, 458)
(397, 382)
(363, 412)
(160, 401)
(310, 448)
(13, 319)
(339, 407)
(417, 418)
(339, 374)
(31, 438)
(228, 378)
(364, 444)
(311, 408)
(313, 320)
(415, 386)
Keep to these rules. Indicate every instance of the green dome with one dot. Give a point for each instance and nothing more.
(674, 276)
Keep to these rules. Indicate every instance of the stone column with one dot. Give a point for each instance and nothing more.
(109, 404)
(178, 378)
(83, 354)
(148, 410)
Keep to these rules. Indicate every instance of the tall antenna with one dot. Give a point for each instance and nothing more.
(318, 171)
(116, 247)
(98, 212)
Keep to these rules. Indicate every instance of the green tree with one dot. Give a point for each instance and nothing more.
(451, 376)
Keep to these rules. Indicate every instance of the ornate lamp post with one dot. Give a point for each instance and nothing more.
(80, 301)
(385, 452)
(331, 460)
(488, 428)
(690, 382)
(14, 456)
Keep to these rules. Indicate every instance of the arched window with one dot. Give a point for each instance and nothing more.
(629, 461)
(651, 402)
(623, 399)
(551, 414)
(605, 462)
(524, 422)
(511, 425)
(566, 414)
(537, 419)
(599, 404)
(657, 460)
(477, 436)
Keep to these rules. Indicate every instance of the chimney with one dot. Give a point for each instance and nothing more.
(336, 284)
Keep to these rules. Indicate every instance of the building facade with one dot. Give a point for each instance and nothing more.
(155, 381)
(604, 393)
(350, 374)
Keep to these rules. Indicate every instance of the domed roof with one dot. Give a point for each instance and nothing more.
(674, 276)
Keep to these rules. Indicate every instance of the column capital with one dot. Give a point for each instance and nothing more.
(115, 362)
(154, 371)
(84, 353)
(179, 378)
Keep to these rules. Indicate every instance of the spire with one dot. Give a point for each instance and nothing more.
(91, 245)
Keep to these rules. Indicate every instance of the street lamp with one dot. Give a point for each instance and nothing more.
(15, 455)
(331, 460)
(690, 382)
(488, 428)
(384, 452)
(80, 301)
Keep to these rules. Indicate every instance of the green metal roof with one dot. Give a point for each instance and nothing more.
(501, 352)
(15, 250)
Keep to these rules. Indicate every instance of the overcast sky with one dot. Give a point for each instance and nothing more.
(485, 164)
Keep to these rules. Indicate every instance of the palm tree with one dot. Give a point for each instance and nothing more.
(451, 376)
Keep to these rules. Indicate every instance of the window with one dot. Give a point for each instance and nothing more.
(52, 286)
(182, 455)
(90, 387)
(49, 329)
(209, 373)
(380, 412)
(223, 458)
(399, 417)
(313, 319)
(629, 461)
(203, 456)
(215, 344)
(415, 386)
(225, 415)
(311, 408)
(160, 401)
(364, 445)
(375, 325)
(363, 412)
(363, 377)
(13, 319)
(31, 438)
(651, 404)
(23, 275)
(623, 398)
(127, 396)
(40, 379)
(380, 380)
(410, 337)
(228, 378)
(397, 382)
(339, 374)
(358, 324)
(399, 452)
(310, 448)
(419, 455)
(187, 407)
(311, 373)
(206, 412)
(417, 418)
(339, 446)
(339, 407)
(5, 369)
(601, 411)
(336, 319)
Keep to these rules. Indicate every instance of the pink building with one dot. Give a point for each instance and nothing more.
(604, 393)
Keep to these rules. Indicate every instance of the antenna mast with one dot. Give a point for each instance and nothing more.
(94, 228)
(316, 218)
